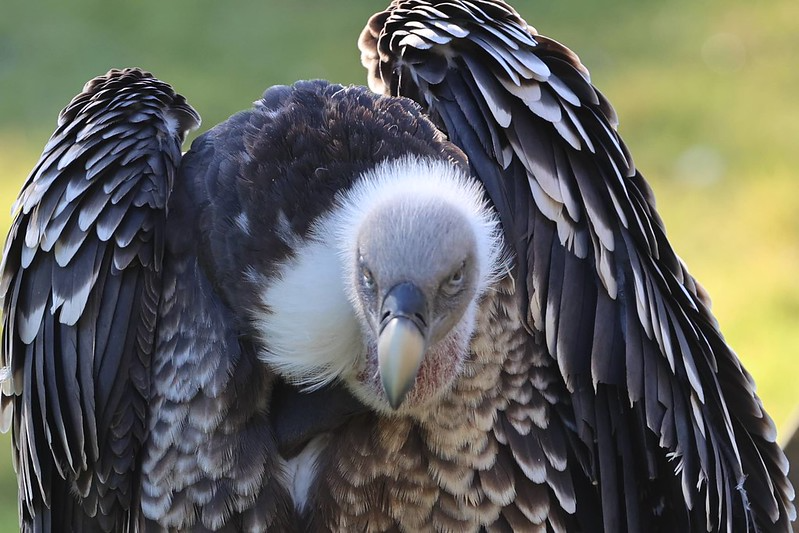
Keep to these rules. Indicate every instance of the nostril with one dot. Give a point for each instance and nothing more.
(404, 300)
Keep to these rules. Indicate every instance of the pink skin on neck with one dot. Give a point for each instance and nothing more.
(441, 364)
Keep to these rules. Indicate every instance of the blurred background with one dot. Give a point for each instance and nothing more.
(706, 92)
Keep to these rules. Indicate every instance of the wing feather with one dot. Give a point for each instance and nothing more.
(78, 325)
(637, 346)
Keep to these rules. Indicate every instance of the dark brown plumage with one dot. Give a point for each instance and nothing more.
(154, 303)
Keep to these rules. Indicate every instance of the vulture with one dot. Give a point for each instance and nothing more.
(444, 303)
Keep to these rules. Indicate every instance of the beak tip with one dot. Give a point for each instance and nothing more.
(394, 397)
(394, 402)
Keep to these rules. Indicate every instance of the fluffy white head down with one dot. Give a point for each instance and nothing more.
(411, 181)
(314, 332)
(311, 336)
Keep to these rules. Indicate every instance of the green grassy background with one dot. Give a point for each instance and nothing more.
(706, 92)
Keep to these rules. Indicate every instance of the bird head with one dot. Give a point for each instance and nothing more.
(384, 296)
(418, 248)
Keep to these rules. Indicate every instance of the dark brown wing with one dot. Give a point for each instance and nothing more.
(81, 285)
(665, 408)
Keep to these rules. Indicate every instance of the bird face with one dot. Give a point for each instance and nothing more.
(423, 255)
(383, 296)
(415, 281)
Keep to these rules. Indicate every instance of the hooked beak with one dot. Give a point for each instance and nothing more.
(402, 340)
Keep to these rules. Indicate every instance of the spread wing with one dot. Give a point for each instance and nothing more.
(664, 407)
(81, 286)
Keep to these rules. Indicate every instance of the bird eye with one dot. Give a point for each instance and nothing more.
(367, 278)
(455, 280)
